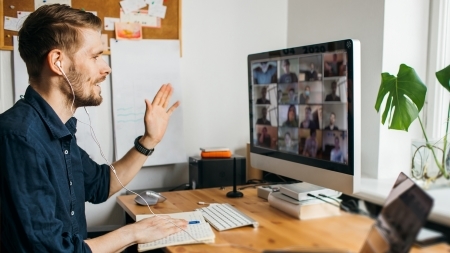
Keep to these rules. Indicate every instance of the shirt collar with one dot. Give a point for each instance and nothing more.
(57, 128)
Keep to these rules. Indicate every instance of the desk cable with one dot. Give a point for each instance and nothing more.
(350, 209)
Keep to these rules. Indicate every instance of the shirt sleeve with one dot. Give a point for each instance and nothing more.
(28, 200)
(96, 179)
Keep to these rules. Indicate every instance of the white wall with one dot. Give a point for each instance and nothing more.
(390, 32)
(217, 36)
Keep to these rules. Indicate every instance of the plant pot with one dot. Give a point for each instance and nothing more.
(424, 164)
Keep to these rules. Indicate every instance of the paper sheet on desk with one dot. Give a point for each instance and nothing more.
(201, 231)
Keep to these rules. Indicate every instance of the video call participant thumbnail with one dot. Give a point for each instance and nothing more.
(332, 96)
(263, 119)
(266, 136)
(265, 72)
(263, 98)
(288, 76)
(291, 119)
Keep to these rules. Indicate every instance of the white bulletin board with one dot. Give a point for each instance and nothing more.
(139, 68)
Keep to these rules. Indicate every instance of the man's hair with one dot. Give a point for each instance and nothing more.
(286, 62)
(51, 27)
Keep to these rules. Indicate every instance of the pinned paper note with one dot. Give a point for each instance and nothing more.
(128, 31)
(11, 24)
(21, 16)
(129, 6)
(109, 23)
(140, 17)
(157, 11)
(154, 2)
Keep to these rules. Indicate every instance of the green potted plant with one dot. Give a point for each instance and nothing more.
(405, 96)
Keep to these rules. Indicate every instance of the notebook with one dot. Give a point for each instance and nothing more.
(201, 231)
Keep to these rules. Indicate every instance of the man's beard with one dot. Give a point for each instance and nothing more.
(81, 99)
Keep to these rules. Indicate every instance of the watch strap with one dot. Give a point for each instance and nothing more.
(141, 149)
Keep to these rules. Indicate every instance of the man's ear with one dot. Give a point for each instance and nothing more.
(54, 61)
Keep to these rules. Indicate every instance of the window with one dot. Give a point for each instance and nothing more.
(438, 98)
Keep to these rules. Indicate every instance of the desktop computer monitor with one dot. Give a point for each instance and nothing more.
(305, 113)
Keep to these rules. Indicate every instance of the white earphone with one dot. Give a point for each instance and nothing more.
(58, 64)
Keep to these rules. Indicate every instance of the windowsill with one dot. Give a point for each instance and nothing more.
(377, 190)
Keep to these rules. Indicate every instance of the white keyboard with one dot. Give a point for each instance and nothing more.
(224, 216)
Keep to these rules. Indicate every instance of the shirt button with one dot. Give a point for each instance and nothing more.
(72, 213)
(66, 152)
(70, 183)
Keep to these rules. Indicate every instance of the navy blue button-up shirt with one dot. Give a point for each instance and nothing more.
(46, 178)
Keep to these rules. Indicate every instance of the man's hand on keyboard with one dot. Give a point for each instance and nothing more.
(156, 227)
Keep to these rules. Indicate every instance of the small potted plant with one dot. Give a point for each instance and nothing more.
(405, 96)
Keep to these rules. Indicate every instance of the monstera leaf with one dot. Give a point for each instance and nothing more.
(443, 77)
(405, 97)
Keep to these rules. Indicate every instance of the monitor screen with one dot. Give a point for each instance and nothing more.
(305, 113)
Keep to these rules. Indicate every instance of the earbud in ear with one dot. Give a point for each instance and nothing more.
(58, 63)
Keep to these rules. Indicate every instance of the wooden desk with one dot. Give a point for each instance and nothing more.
(276, 230)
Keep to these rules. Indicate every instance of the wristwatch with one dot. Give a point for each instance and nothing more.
(141, 148)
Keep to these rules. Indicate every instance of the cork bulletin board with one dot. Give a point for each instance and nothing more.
(170, 25)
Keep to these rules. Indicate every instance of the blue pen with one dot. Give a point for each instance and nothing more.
(194, 222)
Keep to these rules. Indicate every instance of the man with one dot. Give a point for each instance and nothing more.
(336, 153)
(45, 177)
(266, 73)
(311, 75)
(264, 138)
(263, 100)
(332, 96)
(310, 148)
(332, 126)
(331, 67)
(288, 76)
(292, 96)
(307, 121)
(263, 120)
(304, 97)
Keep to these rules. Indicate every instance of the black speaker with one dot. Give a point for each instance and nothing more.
(215, 172)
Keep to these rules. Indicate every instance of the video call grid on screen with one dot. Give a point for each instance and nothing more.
(299, 104)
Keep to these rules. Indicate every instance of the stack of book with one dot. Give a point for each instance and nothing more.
(216, 152)
(293, 199)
